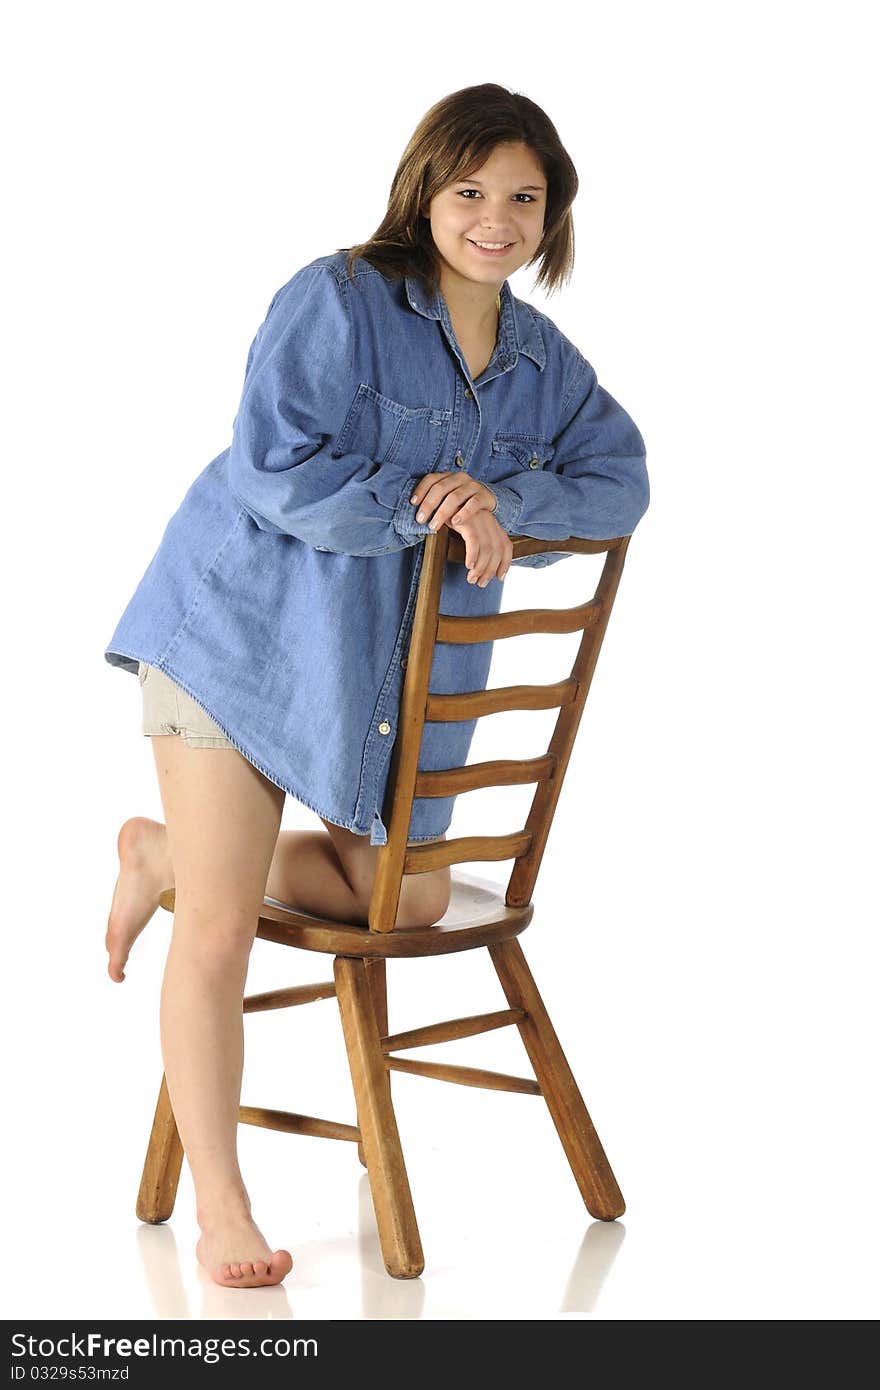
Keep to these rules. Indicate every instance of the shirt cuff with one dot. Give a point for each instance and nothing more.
(404, 519)
(508, 506)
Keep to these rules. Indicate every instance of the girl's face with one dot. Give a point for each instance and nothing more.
(504, 201)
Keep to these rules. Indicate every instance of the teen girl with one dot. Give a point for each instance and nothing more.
(393, 387)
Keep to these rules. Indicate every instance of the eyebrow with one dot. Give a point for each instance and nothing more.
(523, 188)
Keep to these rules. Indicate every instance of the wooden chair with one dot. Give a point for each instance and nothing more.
(479, 915)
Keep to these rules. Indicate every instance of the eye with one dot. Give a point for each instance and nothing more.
(463, 191)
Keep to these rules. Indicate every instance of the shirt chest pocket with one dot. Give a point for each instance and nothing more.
(387, 431)
(510, 452)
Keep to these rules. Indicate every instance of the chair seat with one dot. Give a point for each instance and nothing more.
(477, 916)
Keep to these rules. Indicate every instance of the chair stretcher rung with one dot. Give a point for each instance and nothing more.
(501, 772)
(286, 998)
(465, 1076)
(296, 1124)
(490, 626)
(470, 704)
(453, 1029)
(464, 850)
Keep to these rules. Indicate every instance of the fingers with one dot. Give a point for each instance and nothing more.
(449, 506)
(429, 493)
(440, 497)
(480, 500)
(489, 560)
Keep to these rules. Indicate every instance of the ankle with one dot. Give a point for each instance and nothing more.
(222, 1205)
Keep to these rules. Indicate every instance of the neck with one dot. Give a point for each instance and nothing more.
(474, 305)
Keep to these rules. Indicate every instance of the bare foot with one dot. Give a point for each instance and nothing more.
(144, 872)
(236, 1255)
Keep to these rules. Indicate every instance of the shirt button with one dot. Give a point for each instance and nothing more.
(403, 661)
(384, 727)
(459, 461)
(468, 394)
(534, 461)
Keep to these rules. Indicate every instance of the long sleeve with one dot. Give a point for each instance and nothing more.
(298, 387)
(596, 484)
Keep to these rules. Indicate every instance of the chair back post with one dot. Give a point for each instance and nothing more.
(525, 870)
(407, 744)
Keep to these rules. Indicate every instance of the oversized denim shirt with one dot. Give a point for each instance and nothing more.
(281, 595)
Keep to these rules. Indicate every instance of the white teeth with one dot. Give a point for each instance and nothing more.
(492, 245)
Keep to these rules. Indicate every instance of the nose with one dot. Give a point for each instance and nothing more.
(491, 233)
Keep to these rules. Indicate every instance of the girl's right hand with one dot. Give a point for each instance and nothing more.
(488, 548)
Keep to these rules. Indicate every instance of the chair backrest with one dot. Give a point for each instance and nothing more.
(405, 781)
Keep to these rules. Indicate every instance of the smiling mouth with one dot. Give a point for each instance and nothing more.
(492, 246)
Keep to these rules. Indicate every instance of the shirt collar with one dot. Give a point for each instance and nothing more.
(518, 330)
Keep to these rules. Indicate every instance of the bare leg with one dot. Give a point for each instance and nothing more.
(329, 872)
(332, 874)
(222, 819)
(305, 872)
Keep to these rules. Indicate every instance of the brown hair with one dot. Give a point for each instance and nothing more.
(451, 141)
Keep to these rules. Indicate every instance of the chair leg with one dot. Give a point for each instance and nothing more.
(389, 1184)
(591, 1169)
(379, 991)
(162, 1166)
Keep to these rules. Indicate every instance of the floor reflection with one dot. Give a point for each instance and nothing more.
(382, 1297)
(599, 1247)
(161, 1263)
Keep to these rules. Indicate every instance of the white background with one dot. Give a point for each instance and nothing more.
(705, 920)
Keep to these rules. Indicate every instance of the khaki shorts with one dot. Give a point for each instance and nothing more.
(169, 710)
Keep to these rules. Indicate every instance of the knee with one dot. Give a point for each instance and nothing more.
(424, 898)
(422, 904)
(222, 936)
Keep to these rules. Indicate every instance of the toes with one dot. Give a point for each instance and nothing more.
(118, 957)
(272, 1270)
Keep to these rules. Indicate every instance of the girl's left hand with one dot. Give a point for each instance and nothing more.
(450, 497)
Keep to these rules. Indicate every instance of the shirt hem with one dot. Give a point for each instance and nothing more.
(292, 790)
(288, 787)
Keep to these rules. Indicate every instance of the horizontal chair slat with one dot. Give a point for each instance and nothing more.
(285, 998)
(464, 850)
(473, 703)
(452, 1030)
(491, 626)
(296, 1124)
(530, 545)
(501, 772)
(465, 1076)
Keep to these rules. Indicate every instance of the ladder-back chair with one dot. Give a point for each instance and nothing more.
(475, 918)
